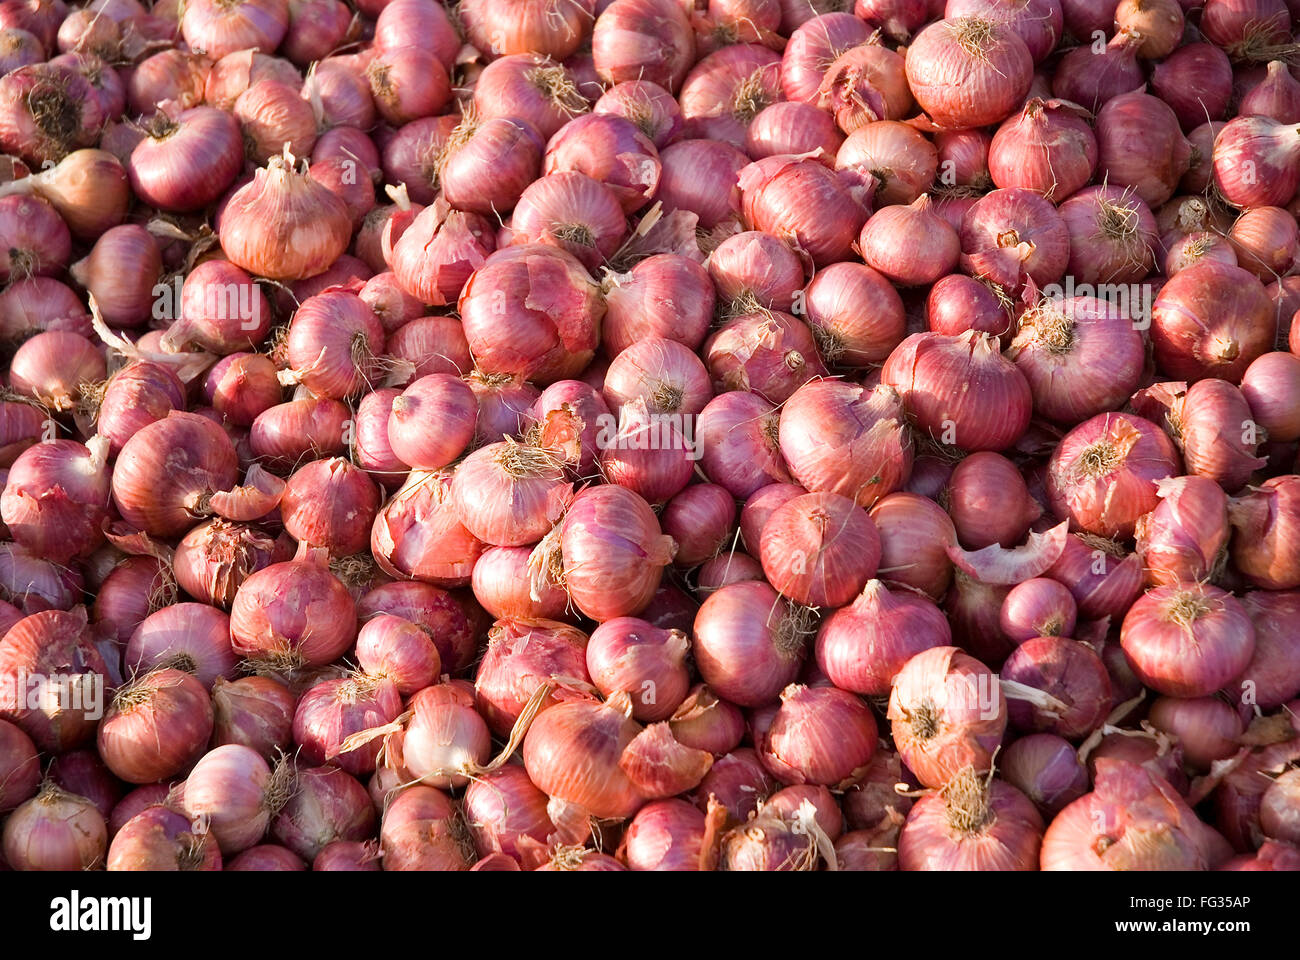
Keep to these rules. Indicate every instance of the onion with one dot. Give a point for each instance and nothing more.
(1211, 320)
(759, 508)
(330, 504)
(648, 40)
(240, 387)
(701, 519)
(1273, 675)
(1185, 537)
(968, 71)
(895, 157)
(572, 211)
(915, 533)
(238, 793)
(1238, 798)
(1038, 607)
(511, 147)
(416, 22)
(46, 111)
(1102, 576)
(509, 494)
(311, 625)
(748, 643)
(911, 245)
(156, 726)
(234, 73)
(819, 549)
(214, 559)
(613, 552)
(1196, 81)
(1244, 27)
(284, 225)
(649, 106)
(453, 620)
(570, 412)
(754, 268)
(1265, 241)
(408, 83)
(819, 735)
(20, 771)
(1276, 96)
(767, 352)
(668, 835)
(507, 815)
(1187, 640)
(664, 296)
(792, 127)
(523, 654)
(159, 838)
(56, 498)
(1103, 475)
(271, 116)
(1008, 233)
(417, 534)
(431, 345)
(1038, 23)
(1158, 22)
(531, 88)
(421, 830)
(971, 824)
(1133, 820)
(1091, 77)
(168, 470)
(55, 830)
(820, 209)
(36, 240)
(701, 176)
(865, 84)
(119, 272)
(737, 436)
(855, 314)
(863, 646)
(531, 338)
(1200, 418)
(728, 88)
(190, 637)
(1263, 547)
(1140, 146)
(946, 713)
(266, 857)
(990, 413)
(572, 753)
(329, 713)
(989, 502)
(958, 303)
(811, 50)
(334, 343)
(399, 651)
(221, 310)
(1080, 356)
(1061, 687)
(328, 806)
(255, 712)
(1257, 162)
(1196, 248)
(1046, 769)
(1112, 236)
(629, 655)
(432, 421)
(1207, 728)
(217, 29)
(501, 584)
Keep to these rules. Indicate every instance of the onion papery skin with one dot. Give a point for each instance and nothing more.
(1081, 357)
(1217, 434)
(993, 827)
(421, 830)
(52, 643)
(788, 195)
(55, 498)
(1188, 640)
(748, 643)
(1103, 475)
(1064, 669)
(255, 712)
(947, 713)
(960, 390)
(314, 623)
(521, 655)
(417, 534)
(629, 655)
(215, 558)
(995, 231)
(863, 646)
(333, 710)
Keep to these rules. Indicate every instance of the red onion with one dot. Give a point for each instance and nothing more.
(701, 520)
(1194, 248)
(759, 508)
(968, 71)
(668, 835)
(311, 626)
(1008, 233)
(971, 824)
(509, 494)
(316, 28)
(1140, 146)
(1265, 241)
(855, 314)
(1273, 675)
(1112, 236)
(214, 559)
(535, 341)
(812, 49)
(1211, 320)
(989, 502)
(1038, 607)
(863, 646)
(235, 72)
(754, 268)
(159, 838)
(56, 498)
(647, 452)
(334, 343)
(221, 310)
(787, 195)
(572, 752)
(1133, 820)
(331, 504)
(1277, 96)
(327, 806)
(647, 40)
(701, 176)
(408, 83)
(156, 726)
(135, 588)
(521, 655)
(271, 116)
(989, 414)
(737, 436)
(507, 815)
(168, 470)
(1256, 162)
(1061, 687)
(648, 105)
(663, 296)
(1207, 728)
(238, 793)
(255, 712)
(819, 735)
(513, 150)
(505, 405)
(608, 149)
(34, 584)
(819, 549)
(20, 770)
(331, 712)
(431, 345)
(792, 127)
(530, 88)
(728, 88)
(35, 304)
(432, 421)
(893, 157)
(501, 584)
(748, 643)
(282, 203)
(1102, 576)
(865, 84)
(405, 22)
(1046, 769)
(571, 211)
(46, 111)
(453, 620)
(1263, 547)
(1210, 450)
(1244, 27)
(704, 722)
(1158, 22)
(55, 830)
(1188, 640)
(911, 245)
(1196, 81)
(1185, 537)
(947, 713)
(915, 533)
(217, 28)
(266, 857)
(958, 303)
(417, 534)
(724, 569)
(1103, 475)
(119, 272)
(1038, 23)
(767, 352)
(190, 637)
(36, 240)
(629, 655)
(240, 387)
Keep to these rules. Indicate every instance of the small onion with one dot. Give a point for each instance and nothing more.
(748, 643)
(819, 549)
(968, 71)
(55, 830)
